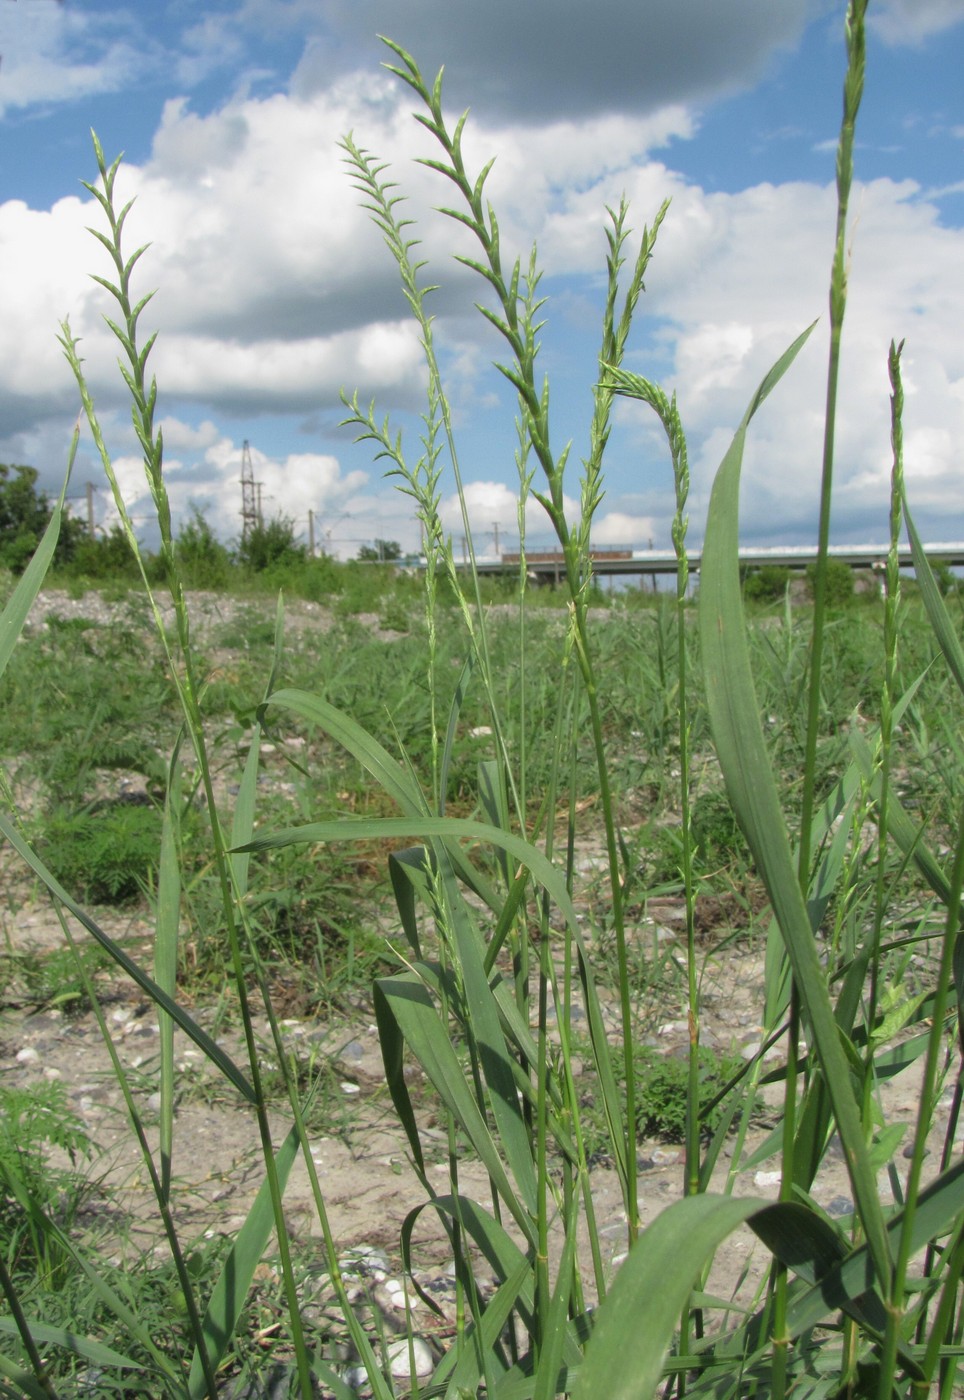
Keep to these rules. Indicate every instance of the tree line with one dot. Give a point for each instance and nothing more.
(270, 546)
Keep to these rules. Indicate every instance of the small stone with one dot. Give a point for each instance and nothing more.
(365, 1261)
(673, 1027)
(28, 1056)
(767, 1179)
(399, 1296)
(664, 1156)
(840, 1205)
(403, 1352)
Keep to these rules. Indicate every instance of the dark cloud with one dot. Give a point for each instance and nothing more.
(550, 58)
(295, 310)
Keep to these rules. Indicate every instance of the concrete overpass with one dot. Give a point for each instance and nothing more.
(546, 565)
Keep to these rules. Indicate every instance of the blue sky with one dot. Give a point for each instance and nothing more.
(274, 292)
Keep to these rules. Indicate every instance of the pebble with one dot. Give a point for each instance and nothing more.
(840, 1205)
(365, 1261)
(665, 1156)
(402, 1353)
(398, 1296)
(28, 1056)
(767, 1179)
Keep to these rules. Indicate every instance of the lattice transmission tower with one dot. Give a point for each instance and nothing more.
(250, 493)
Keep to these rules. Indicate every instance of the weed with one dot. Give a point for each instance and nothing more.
(105, 855)
(716, 832)
(39, 1200)
(55, 979)
(663, 1101)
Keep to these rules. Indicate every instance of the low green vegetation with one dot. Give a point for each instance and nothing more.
(768, 584)
(106, 855)
(472, 828)
(40, 1202)
(664, 1098)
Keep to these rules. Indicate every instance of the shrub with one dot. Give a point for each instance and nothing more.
(767, 584)
(381, 552)
(267, 544)
(839, 583)
(106, 556)
(204, 562)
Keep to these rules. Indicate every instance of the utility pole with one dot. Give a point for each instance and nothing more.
(495, 533)
(90, 509)
(311, 534)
